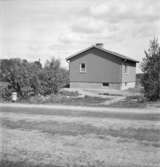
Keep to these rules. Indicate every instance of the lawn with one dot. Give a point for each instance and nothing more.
(131, 102)
(66, 100)
(38, 137)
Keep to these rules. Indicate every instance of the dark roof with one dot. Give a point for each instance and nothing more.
(102, 49)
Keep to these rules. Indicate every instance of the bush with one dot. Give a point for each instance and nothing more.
(53, 98)
(30, 78)
(37, 99)
(5, 94)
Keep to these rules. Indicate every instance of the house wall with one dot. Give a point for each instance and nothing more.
(129, 77)
(101, 67)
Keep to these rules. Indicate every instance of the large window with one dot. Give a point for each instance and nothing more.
(82, 67)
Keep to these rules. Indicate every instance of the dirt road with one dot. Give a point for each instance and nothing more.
(152, 110)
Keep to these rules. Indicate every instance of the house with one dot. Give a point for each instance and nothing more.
(96, 67)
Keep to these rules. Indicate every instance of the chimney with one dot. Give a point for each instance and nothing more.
(100, 45)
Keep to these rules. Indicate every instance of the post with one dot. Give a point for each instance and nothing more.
(14, 96)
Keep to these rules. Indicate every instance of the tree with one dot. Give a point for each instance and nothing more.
(53, 77)
(21, 76)
(30, 78)
(151, 69)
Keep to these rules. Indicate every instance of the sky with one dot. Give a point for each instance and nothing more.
(42, 29)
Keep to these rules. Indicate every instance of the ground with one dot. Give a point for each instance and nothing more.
(79, 136)
(131, 98)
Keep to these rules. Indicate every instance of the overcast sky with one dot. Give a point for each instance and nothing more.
(34, 29)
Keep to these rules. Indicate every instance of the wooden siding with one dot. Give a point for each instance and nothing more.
(100, 66)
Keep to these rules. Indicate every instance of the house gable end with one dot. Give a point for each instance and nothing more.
(100, 53)
(117, 55)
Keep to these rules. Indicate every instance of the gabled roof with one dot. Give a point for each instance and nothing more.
(104, 50)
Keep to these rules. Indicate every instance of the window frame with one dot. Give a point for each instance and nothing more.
(85, 69)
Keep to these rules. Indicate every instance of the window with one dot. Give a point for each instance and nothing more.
(125, 83)
(125, 68)
(105, 84)
(82, 67)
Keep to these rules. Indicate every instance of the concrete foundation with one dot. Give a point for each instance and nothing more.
(128, 85)
(92, 85)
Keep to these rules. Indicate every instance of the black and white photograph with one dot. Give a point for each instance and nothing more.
(79, 83)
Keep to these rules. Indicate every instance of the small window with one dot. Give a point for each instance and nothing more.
(125, 83)
(125, 68)
(82, 67)
(105, 84)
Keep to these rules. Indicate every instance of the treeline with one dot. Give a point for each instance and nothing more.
(31, 78)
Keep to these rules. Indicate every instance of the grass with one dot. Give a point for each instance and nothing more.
(135, 101)
(131, 102)
(69, 93)
(74, 129)
(6, 163)
(137, 89)
(36, 137)
(69, 99)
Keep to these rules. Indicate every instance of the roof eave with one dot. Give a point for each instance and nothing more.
(68, 58)
(136, 61)
(110, 52)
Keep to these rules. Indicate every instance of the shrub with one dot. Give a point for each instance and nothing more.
(5, 93)
(30, 78)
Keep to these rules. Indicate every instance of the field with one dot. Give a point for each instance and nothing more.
(45, 137)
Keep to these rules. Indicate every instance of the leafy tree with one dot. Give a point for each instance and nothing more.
(151, 68)
(21, 76)
(30, 78)
(53, 77)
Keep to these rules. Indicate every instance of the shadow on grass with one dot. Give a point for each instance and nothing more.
(74, 129)
(7, 163)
